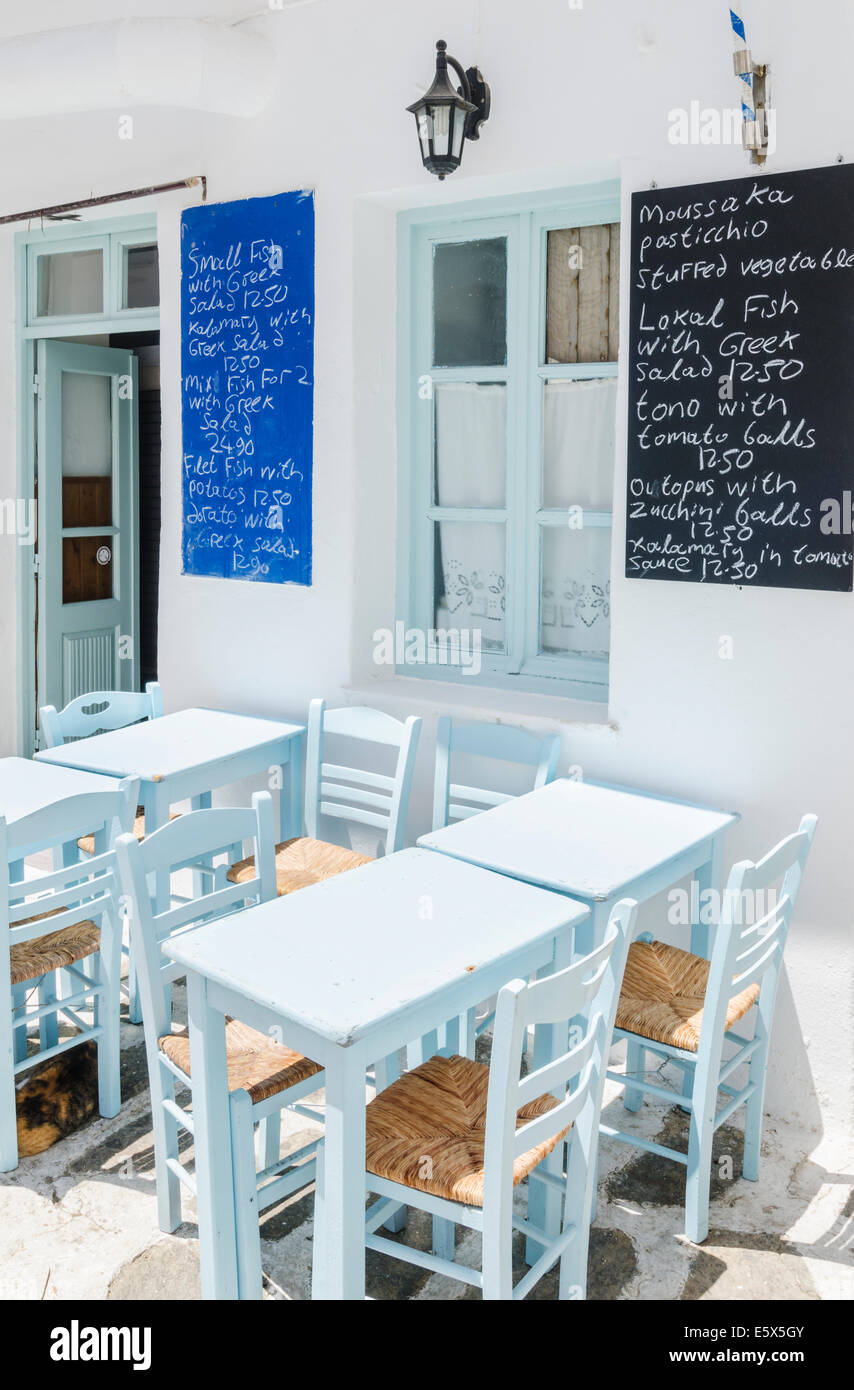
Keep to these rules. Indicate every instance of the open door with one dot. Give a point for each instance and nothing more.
(87, 558)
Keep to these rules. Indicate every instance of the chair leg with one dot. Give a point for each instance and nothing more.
(582, 1170)
(699, 1161)
(8, 1123)
(753, 1115)
(572, 1280)
(444, 1233)
(19, 1004)
(269, 1139)
(385, 1072)
(452, 1034)
(318, 1253)
(165, 1146)
(48, 1023)
(134, 1001)
(468, 1033)
(497, 1262)
(249, 1280)
(107, 969)
(635, 1066)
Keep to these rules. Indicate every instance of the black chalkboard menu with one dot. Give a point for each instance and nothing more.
(741, 382)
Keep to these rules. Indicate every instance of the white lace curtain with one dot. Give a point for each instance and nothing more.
(578, 461)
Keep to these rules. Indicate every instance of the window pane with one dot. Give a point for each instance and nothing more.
(87, 449)
(470, 444)
(70, 282)
(583, 294)
(470, 303)
(140, 277)
(470, 579)
(575, 608)
(87, 568)
(579, 420)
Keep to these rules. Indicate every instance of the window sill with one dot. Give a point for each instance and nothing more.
(477, 701)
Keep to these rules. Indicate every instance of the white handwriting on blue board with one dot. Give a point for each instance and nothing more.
(247, 341)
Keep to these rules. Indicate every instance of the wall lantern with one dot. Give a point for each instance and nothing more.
(446, 117)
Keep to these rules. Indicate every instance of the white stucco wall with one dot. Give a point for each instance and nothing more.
(578, 94)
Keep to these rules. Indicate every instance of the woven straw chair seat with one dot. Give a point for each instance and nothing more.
(87, 842)
(427, 1130)
(663, 993)
(301, 862)
(32, 959)
(255, 1063)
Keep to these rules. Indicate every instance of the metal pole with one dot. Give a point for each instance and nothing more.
(61, 208)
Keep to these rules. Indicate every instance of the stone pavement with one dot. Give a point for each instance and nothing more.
(79, 1221)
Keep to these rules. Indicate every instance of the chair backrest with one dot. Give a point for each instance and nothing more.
(84, 890)
(582, 999)
(359, 794)
(503, 742)
(756, 912)
(182, 842)
(98, 712)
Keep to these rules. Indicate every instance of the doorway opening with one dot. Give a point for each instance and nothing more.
(91, 454)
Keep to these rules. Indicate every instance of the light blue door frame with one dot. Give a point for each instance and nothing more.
(87, 645)
(113, 234)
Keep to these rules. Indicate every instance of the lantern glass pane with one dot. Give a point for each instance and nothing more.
(441, 129)
(424, 121)
(459, 132)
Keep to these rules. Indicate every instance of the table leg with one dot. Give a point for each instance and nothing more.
(19, 992)
(708, 880)
(202, 802)
(341, 1258)
(212, 1124)
(550, 1041)
(290, 815)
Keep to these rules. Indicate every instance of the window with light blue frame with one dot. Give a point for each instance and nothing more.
(509, 319)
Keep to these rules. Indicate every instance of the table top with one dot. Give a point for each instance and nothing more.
(343, 956)
(171, 744)
(582, 838)
(27, 786)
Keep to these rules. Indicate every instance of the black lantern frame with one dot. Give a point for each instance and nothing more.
(446, 117)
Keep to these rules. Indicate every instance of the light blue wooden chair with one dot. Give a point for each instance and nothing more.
(263, 1075)
(456, 801)
(498, 742)
(682, 1008)
(60, 943)
(455, 1137)
(355, 794)
(97, 712)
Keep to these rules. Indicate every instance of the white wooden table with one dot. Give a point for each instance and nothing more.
(190, 754)
(27, 786)
(350, 970)
(597, 843)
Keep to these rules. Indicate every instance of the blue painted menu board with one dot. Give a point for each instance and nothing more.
(247, 386)
(741, 411)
